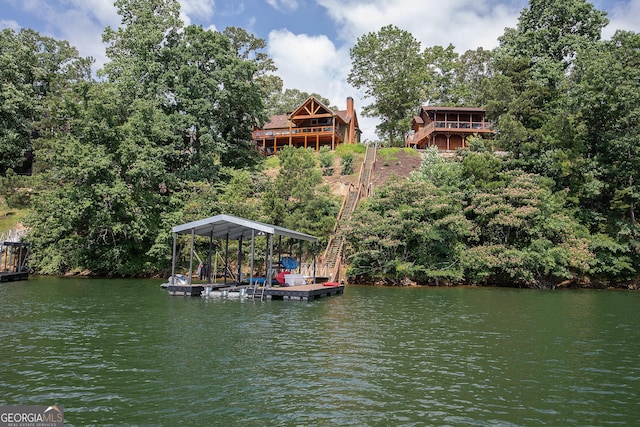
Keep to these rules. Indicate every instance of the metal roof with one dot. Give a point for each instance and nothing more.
(455, 109)
(221, 225)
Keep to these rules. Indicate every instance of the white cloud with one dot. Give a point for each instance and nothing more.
(314, 64)
(9, 24)
(200, 9)
(467, 24)
(623, 17)
(283, 5)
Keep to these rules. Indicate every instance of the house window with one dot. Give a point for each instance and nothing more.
(323, 121)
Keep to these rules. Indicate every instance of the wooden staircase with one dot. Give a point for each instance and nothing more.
(333, 253)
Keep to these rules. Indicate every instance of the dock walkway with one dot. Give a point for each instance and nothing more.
(301, 292)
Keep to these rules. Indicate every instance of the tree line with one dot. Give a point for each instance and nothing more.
(163, 136)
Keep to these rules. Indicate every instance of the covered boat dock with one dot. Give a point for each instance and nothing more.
(229, 227)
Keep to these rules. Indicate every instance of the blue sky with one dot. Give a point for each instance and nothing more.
(309, 40)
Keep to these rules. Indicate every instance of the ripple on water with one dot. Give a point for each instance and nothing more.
(374, 356)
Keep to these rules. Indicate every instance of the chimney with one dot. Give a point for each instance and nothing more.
(352, 120)
(350, 106)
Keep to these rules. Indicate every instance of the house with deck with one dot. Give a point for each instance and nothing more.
(447, 127)
(311, 125)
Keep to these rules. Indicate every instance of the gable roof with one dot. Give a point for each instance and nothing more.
(310, 108)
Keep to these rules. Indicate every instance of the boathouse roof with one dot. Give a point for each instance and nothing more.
(235, 227)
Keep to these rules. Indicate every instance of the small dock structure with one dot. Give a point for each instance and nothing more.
(13, 261)
(263, 270)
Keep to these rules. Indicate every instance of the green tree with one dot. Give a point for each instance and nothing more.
(32, 69)
(555, 30)
(523, 235)
(214, 101)
(326, 161)
(408, 230)
(106, 188)
(389, 66)
(250, 48)
(295, 198)
(438, 171)
(443, 69)
(125, 159)
(295, 183)
(347, 163)
(134, 49)
(530, 81)
(605, 99)
(474, 72)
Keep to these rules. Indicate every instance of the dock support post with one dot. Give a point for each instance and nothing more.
(315, 252)
(210, 257)
(173, 260)
(253, 236)
(193, 234)
(279, 248)
(269, 260)
(239, 260)
(226, 260)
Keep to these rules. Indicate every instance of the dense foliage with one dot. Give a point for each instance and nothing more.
(163, 138)
(33, 70)
(448, 225)
(561, 205)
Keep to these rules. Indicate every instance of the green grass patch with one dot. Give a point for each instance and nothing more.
(9, 217)
(390, 154)
(343, 149)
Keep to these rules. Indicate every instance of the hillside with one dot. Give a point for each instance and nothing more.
(391, 162)
(398, 163)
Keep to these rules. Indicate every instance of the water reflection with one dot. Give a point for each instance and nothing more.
(124, 352)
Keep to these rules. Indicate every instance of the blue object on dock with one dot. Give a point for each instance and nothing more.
(289, 263)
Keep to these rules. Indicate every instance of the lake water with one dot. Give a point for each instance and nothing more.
(123, 352)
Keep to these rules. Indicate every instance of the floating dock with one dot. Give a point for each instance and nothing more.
(185, 290)
(292, 293)
(301, 293)
(13, 277)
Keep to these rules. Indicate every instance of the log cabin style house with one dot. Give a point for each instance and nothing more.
(447, 127)
(311, 125)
